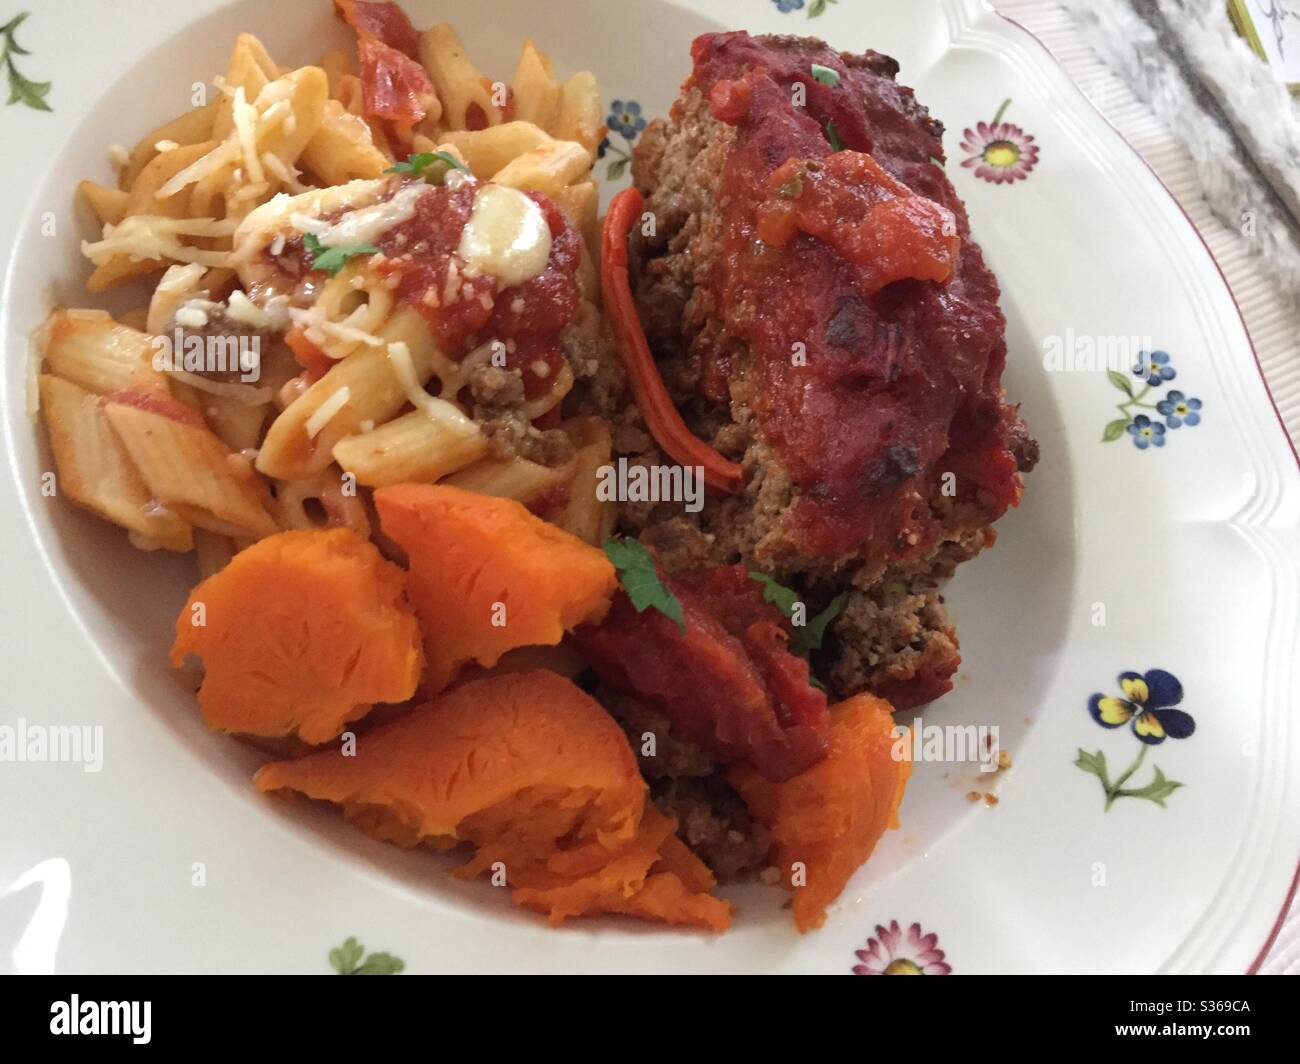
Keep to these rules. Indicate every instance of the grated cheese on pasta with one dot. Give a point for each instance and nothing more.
(150, 236)
(323, 413)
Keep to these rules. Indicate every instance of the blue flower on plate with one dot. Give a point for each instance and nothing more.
(1154, 365)
(1147, 704)
(786, 6)
(1146, 433)
(625, 118)
(1177, 409)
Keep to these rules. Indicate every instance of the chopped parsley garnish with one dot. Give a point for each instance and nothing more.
(936, 162)
(809, 635)
(641, 581)
(331, 260)
(430, 165)
(832, 135)
(783, 598)
(825, 75)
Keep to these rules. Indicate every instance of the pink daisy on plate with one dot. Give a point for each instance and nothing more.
(894, 951)
(1000, 151)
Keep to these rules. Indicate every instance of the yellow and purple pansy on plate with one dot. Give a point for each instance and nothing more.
(1147, 704)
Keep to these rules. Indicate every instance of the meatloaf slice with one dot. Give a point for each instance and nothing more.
(882, 461)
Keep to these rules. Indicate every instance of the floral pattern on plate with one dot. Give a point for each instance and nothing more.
(626, 120)
(1001, 153)
(1176, 410)
(816, 8)
(1147, 705)
(21, 89)
(895, 951)
(351, 959)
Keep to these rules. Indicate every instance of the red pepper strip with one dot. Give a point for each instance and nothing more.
(662, 418)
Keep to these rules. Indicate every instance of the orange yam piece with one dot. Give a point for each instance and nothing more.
(532, 772)
(648, 879)
(831, 816)
(301, 632)
(487, 576)
(532, 747)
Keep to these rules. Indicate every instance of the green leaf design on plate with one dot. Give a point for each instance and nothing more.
(21, 89)
(1156, 791)
(615, 169)
(350, 959)
(1094, 763)
(1120, 381)
(1114, 430)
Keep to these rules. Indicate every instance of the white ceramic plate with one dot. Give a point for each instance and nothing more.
(1187, 551)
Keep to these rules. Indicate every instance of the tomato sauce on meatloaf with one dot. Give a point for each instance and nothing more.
(821, 314)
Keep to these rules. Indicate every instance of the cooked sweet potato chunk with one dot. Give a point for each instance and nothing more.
(301, 632)
(487, 576)
(534, 774)
(830, 817)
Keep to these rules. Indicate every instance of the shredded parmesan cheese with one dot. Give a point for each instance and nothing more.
(440, 410)
(365, 225)
(143, 237)
(326, 411)
(224, 153)
(244, 115)
(311, 319)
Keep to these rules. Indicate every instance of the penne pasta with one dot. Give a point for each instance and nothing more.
(537, 94)
(580, 114)
(190, 471)
(356, 391)
(109, 204)
(583, 513)
(549, 168)
(177, 285)
(336, 63)
(98, 354)
(466, 95)
(342, 149)
(334, 499)
(192, 127)
(95, 471)
(581, 204)
(422, 446)
(487, 151)
(250, 68)
(374, 394)
(513, 478)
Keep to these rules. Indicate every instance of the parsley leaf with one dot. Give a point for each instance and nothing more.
(347, 959)
(833, 136)
(437, 163)
(825, 75)
(640, 579)
(331, 260)
(809, 636)
(783, 598)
